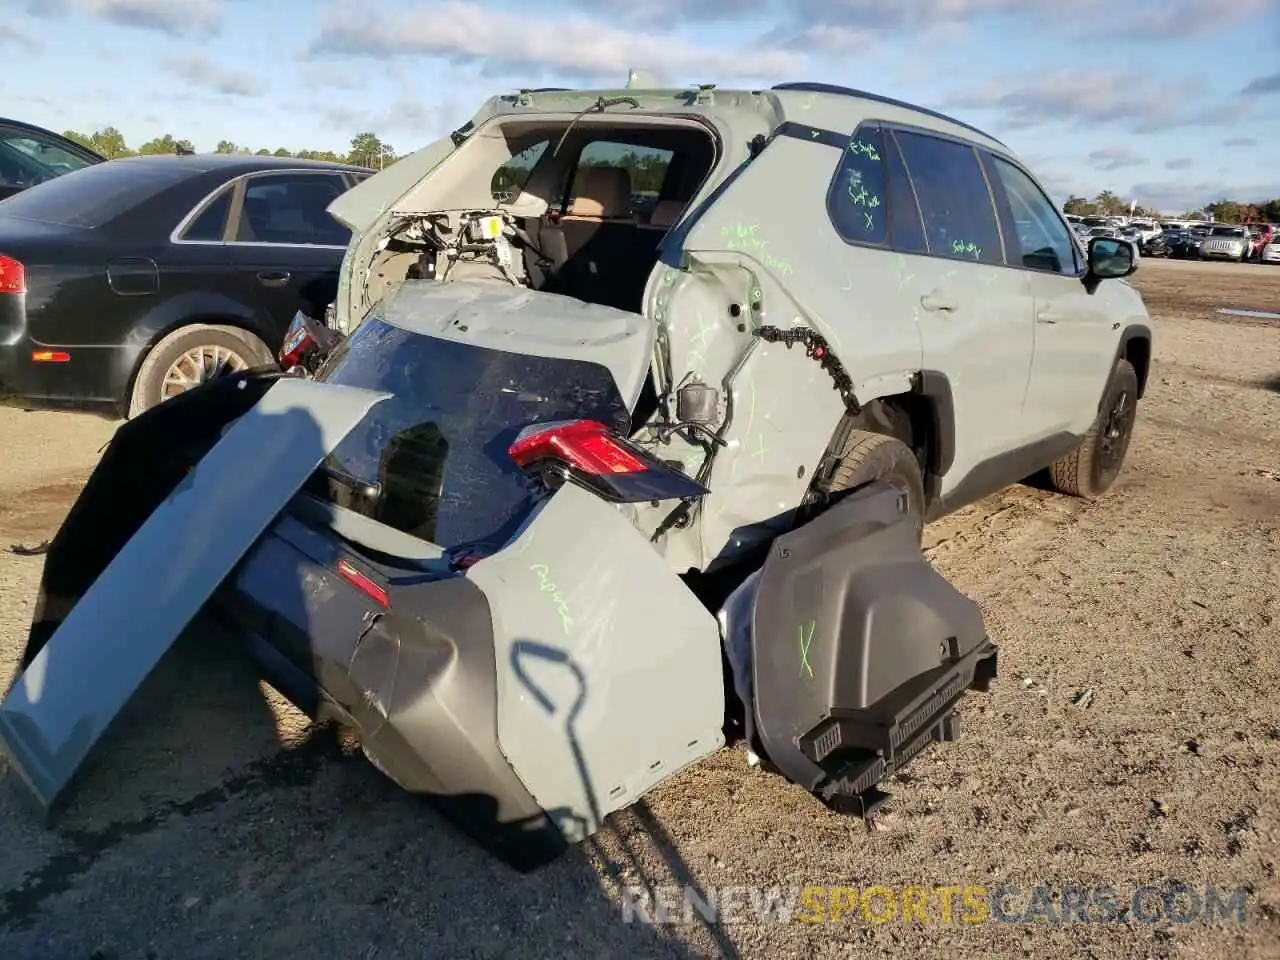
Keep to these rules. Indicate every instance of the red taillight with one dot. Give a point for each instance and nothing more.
(50, 356)
(363, 583)
(585, 445)
(13, 277)
(297, 341)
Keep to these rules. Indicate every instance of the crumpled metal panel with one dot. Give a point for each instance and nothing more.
(118, 631)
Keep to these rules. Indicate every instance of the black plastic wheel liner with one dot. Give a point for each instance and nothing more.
(145, 460)
(860, 649)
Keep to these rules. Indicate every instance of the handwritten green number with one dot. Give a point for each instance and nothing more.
(545, 585)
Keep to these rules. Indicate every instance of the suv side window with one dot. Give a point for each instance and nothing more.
(959, 218)
(1043, 241)
(857, 198)
(292, 208)
(510, 178)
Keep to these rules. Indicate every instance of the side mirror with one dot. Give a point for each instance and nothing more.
(1109, 259)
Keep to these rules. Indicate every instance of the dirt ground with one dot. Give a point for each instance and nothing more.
(1133, 738)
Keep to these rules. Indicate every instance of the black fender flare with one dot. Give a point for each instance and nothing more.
(935, 387)
(1140, 357)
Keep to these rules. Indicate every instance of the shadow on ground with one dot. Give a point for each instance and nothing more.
(1271, 383)
(213, 819)
(175, 843)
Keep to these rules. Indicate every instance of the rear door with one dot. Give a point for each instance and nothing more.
(1070, 365)
(284, 245)
(975, 315)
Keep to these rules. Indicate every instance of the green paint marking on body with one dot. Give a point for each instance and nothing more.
(547, 586)
(805, 634)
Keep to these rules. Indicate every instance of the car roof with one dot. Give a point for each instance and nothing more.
(800, 102)
(42, 131)
(234, 164)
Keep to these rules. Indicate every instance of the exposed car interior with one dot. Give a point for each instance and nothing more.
(551, 207)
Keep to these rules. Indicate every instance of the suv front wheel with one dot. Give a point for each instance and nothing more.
(1094, 465)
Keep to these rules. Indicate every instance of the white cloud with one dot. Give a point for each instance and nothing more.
(1178, 196)
(504, 41)
(197, 69)
(1115, 158)
(174, 17)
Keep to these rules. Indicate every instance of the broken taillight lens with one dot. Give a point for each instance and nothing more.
(585, 445)
(592, 456)
(298, 339)
(364, 583)
(13, 276)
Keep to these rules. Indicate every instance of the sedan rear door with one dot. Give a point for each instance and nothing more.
(285, 247)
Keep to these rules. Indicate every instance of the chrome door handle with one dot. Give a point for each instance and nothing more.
(937, 304)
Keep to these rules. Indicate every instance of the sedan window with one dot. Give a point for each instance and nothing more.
(292, 209)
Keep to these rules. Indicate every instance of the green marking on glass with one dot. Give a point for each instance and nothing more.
(862, 148)
(962, 248)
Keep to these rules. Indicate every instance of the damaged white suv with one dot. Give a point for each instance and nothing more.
(640, 402)
(919, 266)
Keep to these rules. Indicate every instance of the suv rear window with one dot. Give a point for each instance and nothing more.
(438, 446)
(96, 195)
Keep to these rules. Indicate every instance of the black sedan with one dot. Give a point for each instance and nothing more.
(30, 155)
(127, 282)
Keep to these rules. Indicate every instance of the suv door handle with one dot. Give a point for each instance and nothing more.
(274, 278)
(1047, 316)
(937, 304)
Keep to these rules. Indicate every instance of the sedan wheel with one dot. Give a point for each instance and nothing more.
(199, 365)
(190, 356)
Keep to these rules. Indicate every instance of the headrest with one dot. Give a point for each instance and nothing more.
(602, 192)
(666, 213)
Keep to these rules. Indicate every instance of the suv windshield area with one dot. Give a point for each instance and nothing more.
(431, 460)
(1227, 232)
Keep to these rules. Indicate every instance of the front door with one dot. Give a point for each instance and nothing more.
(1070, 368)
(975, 313)
(285, 246)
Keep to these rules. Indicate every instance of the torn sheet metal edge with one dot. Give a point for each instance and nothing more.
(120, 629)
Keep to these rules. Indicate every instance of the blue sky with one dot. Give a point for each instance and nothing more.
(1174, 102)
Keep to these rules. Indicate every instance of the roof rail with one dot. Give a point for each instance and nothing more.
(805, 87)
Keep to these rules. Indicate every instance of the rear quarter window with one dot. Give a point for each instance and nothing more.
(96, 195)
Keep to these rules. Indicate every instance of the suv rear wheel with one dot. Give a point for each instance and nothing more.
(862, 458)
(1094, 465)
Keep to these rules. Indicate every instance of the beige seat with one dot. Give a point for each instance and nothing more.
(601, 195)
(664, 215)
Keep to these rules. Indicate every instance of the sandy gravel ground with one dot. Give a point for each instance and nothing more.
(1133, 738)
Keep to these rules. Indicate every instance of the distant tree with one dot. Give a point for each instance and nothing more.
(264, 152)
(1227, 211)
(1107, 203)
(1079, 206)
(163, 145)
(110, 143)
(282, 152)
(225, 146)
(368, 150)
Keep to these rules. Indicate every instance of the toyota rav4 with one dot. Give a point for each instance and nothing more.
(640, 401)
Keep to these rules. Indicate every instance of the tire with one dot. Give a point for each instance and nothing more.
(242, 349)
(863, 458)
(1090, 469)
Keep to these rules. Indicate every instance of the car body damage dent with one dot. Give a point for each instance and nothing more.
(609, 670)
(120, 628)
